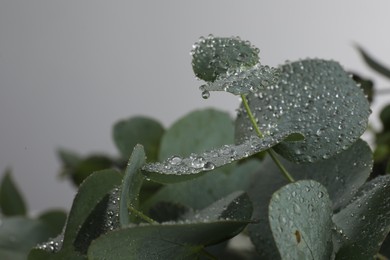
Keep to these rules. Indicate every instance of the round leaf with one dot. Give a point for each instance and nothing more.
(315, 98)
(214, 56)
(365, 222)
(300, 219)
(138, 130)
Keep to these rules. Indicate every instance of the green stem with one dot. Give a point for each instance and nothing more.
(141, 215)
(270, 151)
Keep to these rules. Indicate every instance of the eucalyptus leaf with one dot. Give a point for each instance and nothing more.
(342, 175)
(300, 219)
(385, 118)
(196, 132)
(11, 200)
(315, 98)
(177, 240)
(176, 169)
(244, 81)
(138, 130)
(91, 192)
(19, 234)
(214, 56)
(200, 192)
(55, 221)
(131, 184)
(375, 65)
(365, 222)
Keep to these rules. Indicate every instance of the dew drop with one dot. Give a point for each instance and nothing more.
(205, 94)
(175, 160)
(208, 166)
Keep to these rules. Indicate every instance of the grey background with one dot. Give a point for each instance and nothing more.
(70, 69)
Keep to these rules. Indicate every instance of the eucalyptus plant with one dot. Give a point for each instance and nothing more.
(289, 175)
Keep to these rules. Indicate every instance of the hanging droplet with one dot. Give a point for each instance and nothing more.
(175, 160)
(205, 94)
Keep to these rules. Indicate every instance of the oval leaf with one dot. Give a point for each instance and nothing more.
(315, 98)
(138, 130)
(342, 175)
(213, 56)
(176, 169)
(365, 223)
(300, 218)
(177, 240)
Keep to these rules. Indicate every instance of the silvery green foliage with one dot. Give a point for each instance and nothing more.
(316, 98)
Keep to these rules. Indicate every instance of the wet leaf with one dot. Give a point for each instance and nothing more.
(315, 98)
(342, 175)
(131, 184)
(214, 56)
(92, 191)
(365, 222)
(375, 65)
(11, 200)
(300, 218)
(176, 169)
(177, 240)
(244, 81)
(138, 130)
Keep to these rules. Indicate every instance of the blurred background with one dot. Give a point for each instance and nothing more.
(70, 69)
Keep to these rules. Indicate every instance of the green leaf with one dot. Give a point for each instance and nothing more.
(195, 132)
(11, 200)
(315, 98)
(214, 56)
(92, 191)
(164, 211)
(385, 118)
(19, 234)
(68, 158)
(138, 130)
(365, 84)
(131, 184)
(300, 219)
(365, 222)
(55, 221)
(200, 192)
(176, 169)
(342, 175)
(373, 64)
(176, 240)
(244, 81)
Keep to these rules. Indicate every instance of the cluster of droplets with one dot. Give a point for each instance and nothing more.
(214, 56)
(243, 80)
(316, 98)
(52, 246)
(211, 159)
(112, 213)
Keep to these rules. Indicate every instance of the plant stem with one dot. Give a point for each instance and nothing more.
(141, 215)
(270, 151)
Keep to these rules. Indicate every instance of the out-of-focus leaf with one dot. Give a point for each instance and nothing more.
(19, 234)
(373, 64)
(385, 118)
(11, 200)
(88, 165)
(138, 130)
(55, 221)
(365, 84)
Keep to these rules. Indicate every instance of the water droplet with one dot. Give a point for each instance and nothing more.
(208, 166)
(205, 94)
(320, 194)
(198, 162)
(175, 160)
